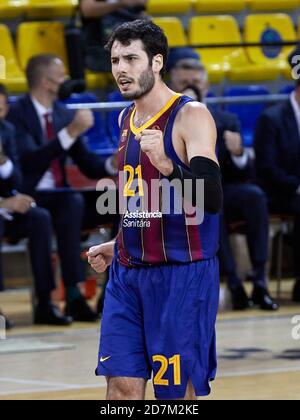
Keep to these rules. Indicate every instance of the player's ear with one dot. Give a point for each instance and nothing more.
(158, 62)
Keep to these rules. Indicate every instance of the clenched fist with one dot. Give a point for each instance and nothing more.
(101, 256)
(152, 143)
(83, 121)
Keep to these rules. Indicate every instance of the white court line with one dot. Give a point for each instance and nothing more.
(66, 387)
(259, 372)
(52, 389)
(33, 382)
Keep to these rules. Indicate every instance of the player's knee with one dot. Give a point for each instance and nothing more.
(124, 389)
(190, 392)
(123, 393)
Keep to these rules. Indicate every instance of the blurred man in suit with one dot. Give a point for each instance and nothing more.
(21, 218)
(277, 146)
(48, 134)
(242, 200)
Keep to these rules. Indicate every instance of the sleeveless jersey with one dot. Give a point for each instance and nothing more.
(148, 237)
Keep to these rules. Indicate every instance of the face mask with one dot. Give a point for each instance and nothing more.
(196, 92)
(70, 86)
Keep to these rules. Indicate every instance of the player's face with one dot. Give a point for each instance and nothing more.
(181, 78)
(132, 70)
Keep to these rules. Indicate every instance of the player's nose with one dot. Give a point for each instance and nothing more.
(122, 68)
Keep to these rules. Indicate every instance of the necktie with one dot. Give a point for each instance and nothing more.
(55, 165)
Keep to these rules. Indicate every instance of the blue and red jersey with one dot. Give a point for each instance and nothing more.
(158, 237)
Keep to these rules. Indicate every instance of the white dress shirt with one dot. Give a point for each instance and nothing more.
(6, 170)
(48, 182)
(6, 214)
(240, 161)
(296, 110)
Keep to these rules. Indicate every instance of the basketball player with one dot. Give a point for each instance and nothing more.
(162, 297)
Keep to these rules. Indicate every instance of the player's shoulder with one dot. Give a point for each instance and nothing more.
(192, 112)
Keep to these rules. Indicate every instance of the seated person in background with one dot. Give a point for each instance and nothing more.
(242, 200)
(48, 133)
(277, 147)
(20, 218)
(99, 18)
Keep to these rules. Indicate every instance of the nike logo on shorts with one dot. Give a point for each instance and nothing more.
(103, 359)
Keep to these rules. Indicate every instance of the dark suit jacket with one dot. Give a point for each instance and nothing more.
(231, 174)
(277, 146)
(7, 138)
(36, 154)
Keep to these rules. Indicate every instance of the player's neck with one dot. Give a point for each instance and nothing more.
(154, 101)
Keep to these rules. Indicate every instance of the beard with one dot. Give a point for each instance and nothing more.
(146, 82)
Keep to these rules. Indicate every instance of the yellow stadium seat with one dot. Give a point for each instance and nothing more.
(273, 5)
(35, 38)
(287, 73)
(50, 8)
(10, 9)
(14, 78)
(270, 27)
(166, 7)
(173, 29)
(227, 61)
(221, 6)
(96, 80)
(48, 38)
(298, 26)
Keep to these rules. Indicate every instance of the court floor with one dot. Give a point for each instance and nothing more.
(258, 357)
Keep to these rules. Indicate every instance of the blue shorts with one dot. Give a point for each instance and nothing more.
(161, 319)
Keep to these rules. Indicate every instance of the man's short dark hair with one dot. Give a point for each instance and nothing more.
(3, 91)
(152, 36)
(36, 67)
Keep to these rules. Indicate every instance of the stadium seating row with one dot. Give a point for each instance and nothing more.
(35, 38)
(237, 64)
(61, 8)
(244, 64)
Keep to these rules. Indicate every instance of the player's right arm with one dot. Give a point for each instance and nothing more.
(100, 257)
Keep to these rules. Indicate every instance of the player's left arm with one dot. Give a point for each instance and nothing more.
(197, 130)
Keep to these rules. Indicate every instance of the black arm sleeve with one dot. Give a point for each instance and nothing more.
(206, 169)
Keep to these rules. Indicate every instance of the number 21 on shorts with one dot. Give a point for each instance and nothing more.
(165, 363)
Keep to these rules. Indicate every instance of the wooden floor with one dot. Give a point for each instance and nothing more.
(258, 358)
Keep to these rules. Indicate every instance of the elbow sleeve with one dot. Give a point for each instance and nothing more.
(202, 168)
